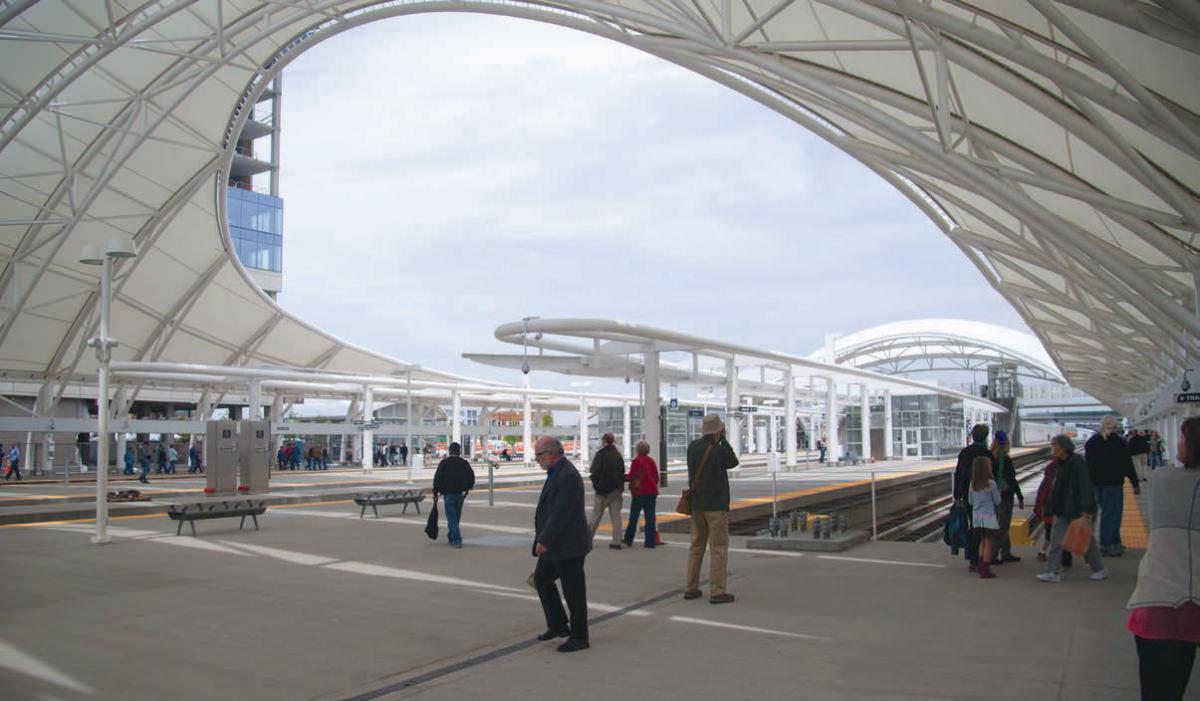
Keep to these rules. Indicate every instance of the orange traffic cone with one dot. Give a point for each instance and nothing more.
(657, 537)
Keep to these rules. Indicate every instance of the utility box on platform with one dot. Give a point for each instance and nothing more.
(254, 456)
(221, 457)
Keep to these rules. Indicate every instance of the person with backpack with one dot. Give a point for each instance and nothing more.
(608, 481)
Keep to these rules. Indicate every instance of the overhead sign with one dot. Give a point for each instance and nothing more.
(674, 403)
(1187, 398)
(695, 413)
(747, 409)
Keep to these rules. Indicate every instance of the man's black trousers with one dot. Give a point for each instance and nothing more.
(574, 590)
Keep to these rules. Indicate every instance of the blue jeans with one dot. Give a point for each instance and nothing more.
(1111, 501)
(637, 504)
(454, 505)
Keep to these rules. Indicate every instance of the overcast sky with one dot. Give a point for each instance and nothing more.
(444, 174)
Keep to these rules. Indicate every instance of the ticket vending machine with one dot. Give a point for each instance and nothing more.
(254, 452)
(221, 457)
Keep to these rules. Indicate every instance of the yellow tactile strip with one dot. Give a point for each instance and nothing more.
(1133, 527)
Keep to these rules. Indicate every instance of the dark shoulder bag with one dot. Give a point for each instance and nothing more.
(685, 500)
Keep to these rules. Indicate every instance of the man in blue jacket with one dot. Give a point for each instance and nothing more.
(561, 543)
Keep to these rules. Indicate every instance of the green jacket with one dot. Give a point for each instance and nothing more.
(712, 491)
(1072, 495)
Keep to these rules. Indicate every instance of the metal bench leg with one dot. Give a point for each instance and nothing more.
(180, 528)
(243, 522)
(363, 512)
(405, 511)
(376, 509)
(254, 517)
(193, 525)
(418, 505)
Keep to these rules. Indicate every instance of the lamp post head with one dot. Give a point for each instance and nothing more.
(120, 247)
(90, 255)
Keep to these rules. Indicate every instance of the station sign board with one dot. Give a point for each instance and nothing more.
(747, 409)
(695, 413)
(1187, 398)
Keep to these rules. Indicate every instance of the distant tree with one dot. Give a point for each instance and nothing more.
(547, 420)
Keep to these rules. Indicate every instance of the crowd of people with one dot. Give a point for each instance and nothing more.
(1081, 501)
(291, 453)
(163, 457)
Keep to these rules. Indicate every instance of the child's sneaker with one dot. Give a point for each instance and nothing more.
(1049, 577)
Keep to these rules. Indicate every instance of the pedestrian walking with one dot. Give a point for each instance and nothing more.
(643, 494)
(172, 456)
(1109, 465)
(1164, 612)
(453, 479)
(14, 463)
(561, 544)
(608, 481)
(1071, 498)
(709, 459)
(128, 459)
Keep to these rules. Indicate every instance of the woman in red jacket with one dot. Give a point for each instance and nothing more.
(643, 487)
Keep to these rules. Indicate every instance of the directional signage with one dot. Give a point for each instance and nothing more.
(695, 413)
(747, 409)
(674, 403)
(1187, 398)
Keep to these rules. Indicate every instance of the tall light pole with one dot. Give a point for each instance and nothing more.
(91, 255)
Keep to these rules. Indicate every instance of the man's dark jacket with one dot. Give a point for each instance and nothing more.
(559, 522)
(962, 471)
(1072, 495)
(454, 476)
(711, 493)
(608, 470)
(1108, 461)
(1139, 444)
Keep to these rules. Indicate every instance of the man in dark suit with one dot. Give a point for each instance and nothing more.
(962, 482)
(561, 543)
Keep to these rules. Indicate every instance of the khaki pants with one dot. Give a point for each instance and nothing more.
(612, 502)
(709, 528)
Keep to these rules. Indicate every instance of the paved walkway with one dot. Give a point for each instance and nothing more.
(321, 604)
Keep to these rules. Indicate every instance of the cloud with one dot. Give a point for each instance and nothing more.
(443, 175)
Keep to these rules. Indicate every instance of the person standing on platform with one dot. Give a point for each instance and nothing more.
(643, 493)
(1139, 452)
(561, 543)
(1165, 605)
(709, 459)
(1109, 465)
(1010, 491)
(608, 480)
(172, 456)
(197, 458)
(820, 450)
(962, 483)
(404, 454)
(129, 459)
(984, 498)
(1157, 451)
(14, 463)
(145, 455)
(1071, 498)
(453, 479)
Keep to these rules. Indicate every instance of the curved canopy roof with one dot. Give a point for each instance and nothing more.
(1055, 143)
(926, 345)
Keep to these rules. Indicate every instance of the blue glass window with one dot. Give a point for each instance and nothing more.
(256, 228)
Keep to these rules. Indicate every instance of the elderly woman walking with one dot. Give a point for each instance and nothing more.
(1165, 615)
(643, 486)
(1071, 498)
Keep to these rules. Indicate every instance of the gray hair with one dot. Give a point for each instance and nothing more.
(1108, 424)
(1064, 441)
(551, 443)
(642, 447)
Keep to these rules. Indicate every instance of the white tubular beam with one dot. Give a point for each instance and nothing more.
(789, 417)
(368, 436)
(887, 425)
(527, 427)
(650, 425)
(626, 424)
(866, 423)
(732, 427)
(831, 421)
(583, 430)
(456, 418)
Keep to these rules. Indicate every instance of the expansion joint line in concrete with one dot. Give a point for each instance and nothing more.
(475, 661)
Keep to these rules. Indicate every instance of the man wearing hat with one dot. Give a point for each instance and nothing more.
(709, 458)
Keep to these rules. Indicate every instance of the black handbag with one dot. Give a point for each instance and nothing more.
(431, 526)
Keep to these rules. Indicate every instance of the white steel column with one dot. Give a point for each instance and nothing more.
(368, 436)
(408, 420)
(866, 423)
(104, 355)
(456, 419)
(120, 408)
(626, 427)
(773, 431)
(527, 426)
(733, 431)
(650, 426)
(254, 400)
(887, 424)
(583, 429)
(789, 417)
(751, 442)
(831, 421)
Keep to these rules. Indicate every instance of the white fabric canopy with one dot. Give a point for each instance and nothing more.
(1055, 143)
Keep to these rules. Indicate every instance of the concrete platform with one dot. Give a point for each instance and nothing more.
(320, 604)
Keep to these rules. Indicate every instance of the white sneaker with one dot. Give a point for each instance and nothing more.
(1097, 576)
(1049, 577)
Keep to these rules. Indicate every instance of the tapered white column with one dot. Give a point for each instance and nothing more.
(732, 427)
(887, 424)
(254, 400)
(831, 421)
(650, 404)
(789, 417)
(866, 423)
(751, 433)
(626, 428)
(456, 419)
(527, 426)
(583, 430)
(368, 436)
(773, 431)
